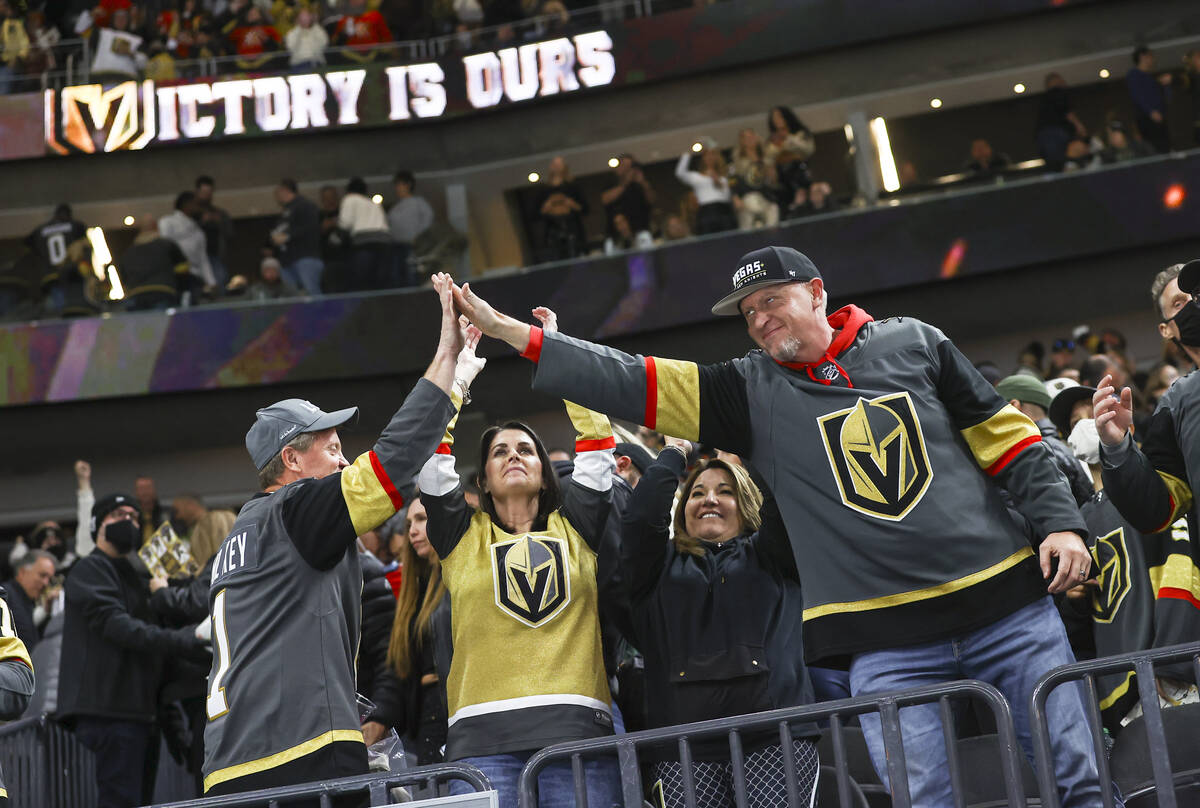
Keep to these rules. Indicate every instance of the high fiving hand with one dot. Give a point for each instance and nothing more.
(468, 365)
(450, 338)
(547, 318)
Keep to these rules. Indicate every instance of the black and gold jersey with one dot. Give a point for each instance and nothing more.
(59, 245)
(16, 676)
(884, 458)
(527, 668)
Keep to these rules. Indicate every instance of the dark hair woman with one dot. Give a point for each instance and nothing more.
(789, 146)
(718, 610)
(411, 695)
(527, 669)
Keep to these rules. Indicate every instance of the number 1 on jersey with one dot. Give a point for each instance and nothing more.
(216, 704)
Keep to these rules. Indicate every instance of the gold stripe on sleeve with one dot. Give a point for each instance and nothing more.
(1181, 495)
(991, 439)
(678, 404)
(366, 498)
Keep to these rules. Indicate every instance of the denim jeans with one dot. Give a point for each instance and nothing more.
(1010, 654)
(305, 273)
(556, 784)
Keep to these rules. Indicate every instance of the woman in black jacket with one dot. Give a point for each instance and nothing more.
(718, 611)
(410, 694)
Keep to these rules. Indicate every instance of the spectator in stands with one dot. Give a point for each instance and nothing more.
(359, 30)
(1191, 78)
(857, 602)
(623, 238)
(1158, 381)
(61, 248)
(1029, 395)
(43, 39)
(816, 198)
(118, 49)
(1079, 156)
(1118, 147)
(532, 666)
(32, 573)
(412, 698)
(1057, 123)
(182, 227)
(154, 271)
(112, 657)
(630, 196)
(561, 208)
(717, 608)
(306, 42)
(378, 606)
(335, 242)
(1062, 356)
(254, 40)
(14, 46)
(301, 602)
(985, 163)
(17, 683)
(1149, 96)
(754, 183)
(271, 284)
(217, 226)
(675, 228)
(160, 65)
(297, 237)
(790, 144)
(370, 240)
(150, 511)
(408, 219)
(711, 186)
(204, 529)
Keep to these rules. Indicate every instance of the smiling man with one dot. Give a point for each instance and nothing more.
(883, 446)
(285, 594)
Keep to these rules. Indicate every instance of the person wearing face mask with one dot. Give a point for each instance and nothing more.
(718, 610)
(1132, 604)
(113, 653)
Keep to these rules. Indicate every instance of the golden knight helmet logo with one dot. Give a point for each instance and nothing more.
(531, 578)
(878, 457)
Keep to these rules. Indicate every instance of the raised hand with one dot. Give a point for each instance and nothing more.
(547, 318)
(468, 365)
(450, 338)
(1113, 415)
(488, 320)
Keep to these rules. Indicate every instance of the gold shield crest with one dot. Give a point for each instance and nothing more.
(531, 578)
(878, 456)
(1116, 579)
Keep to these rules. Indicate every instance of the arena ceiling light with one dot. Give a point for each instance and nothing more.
(1018, 88)
(534, 176)
(936, 103)
(129, 221)
(1104, 73)
(887, 163)
(377, 199)
(697, 146)
(613, 162)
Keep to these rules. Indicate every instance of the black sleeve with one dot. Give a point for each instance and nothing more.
(390, 697)
(772, 542)
(449, 518)
(1149, 486)
(724, 409)
(324, 517)
(645, 527)
(186, 604)
(587, 510)
(98, 591)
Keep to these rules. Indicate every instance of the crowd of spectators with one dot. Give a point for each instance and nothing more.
(89, 593)
(167, 39)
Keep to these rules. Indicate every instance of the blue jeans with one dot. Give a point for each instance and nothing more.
(305, 273)
(556, 785)
(1010, 654)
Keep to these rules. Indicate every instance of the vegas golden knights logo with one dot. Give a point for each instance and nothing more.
(878, 455)
(1116, 578)
(531, 579)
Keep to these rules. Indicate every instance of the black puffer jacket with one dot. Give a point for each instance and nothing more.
(378, 611)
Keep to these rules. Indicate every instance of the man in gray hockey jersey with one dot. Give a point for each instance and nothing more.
(285, 593)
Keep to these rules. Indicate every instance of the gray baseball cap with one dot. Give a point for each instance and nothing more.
(279, 423)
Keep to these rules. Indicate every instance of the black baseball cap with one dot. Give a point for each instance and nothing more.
(1189, 276)
(281, 422)
(767, 266)
(1064, 402)
(106, 505)
(637, 455)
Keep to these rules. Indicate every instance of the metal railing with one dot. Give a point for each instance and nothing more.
(1142, 664)
(375, 786)
(888, 705)
(45, 765)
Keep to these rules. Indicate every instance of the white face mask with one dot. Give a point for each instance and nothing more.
(1085, 441)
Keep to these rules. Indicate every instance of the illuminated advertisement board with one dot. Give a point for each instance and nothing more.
(133, 115)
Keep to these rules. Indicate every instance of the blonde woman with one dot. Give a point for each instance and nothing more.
(718, 610)
(711, 186)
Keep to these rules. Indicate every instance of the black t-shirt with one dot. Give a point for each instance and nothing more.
(633, 203)
(51, 243)
(1053, 110)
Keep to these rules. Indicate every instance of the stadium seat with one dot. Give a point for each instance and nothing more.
(982, 780)
(1130, 763)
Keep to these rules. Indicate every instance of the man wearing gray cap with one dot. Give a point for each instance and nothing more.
(881, 443)
(285, 589)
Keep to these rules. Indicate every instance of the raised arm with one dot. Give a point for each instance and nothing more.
(686, 175)
(646, 523)
(84, 500)
(325, 516)
(679, 398)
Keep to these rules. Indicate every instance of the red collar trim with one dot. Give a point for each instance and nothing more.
(846, 321)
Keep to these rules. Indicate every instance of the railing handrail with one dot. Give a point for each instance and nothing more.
(376, 784)
(1142, 664)
(887, 704)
